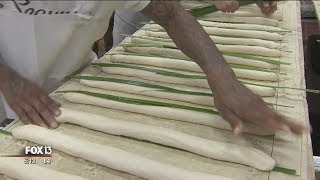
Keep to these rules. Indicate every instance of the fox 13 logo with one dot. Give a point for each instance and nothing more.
(38, 150)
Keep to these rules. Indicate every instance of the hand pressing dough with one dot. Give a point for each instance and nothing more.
(108, 156)
(207, 148)
(17, 169)
(162, 112)
(259, 90)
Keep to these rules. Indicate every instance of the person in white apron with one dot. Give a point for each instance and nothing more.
(127, 22)
(43, 41)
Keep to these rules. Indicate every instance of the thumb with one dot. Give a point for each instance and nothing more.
(266, 4)
(235, 122)
(238, 128)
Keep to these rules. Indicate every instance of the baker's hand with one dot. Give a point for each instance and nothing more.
(226, 6)
(237, 103)
(31, 104)
(267, 7)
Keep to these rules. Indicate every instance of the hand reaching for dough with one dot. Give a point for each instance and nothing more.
(227, 6)
(31, 104)
(237, 103)
(267, 8)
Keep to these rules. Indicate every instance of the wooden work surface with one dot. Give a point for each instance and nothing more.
(289, 151)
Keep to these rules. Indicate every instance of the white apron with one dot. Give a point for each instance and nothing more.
(44, 41)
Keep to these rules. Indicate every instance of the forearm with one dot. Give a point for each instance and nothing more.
(189, 36)
(4, 73)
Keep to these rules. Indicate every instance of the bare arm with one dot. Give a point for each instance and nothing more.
(233, 100)
(188, 35)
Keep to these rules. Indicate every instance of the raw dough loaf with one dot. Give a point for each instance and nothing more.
(211, 149)
(271, 36)
(247, 20)
(15, 168)
(259, 90)
(189, 66)
(107, 156)
(162, 112)
(215, 39)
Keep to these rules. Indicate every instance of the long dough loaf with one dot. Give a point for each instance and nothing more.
(108, 156)
(15, 168)
(215, 39)
(262, 91)
(204, 147)
(162, 112)
(190, 66)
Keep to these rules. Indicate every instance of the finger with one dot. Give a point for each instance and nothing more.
(52, 105)
(265, 4)
(235, 122)
(224, 9)
(230, 8)
(264, 116)
(265, 11)
(23, 116)
(234, 7)
(33, 114)
(46, 115)
(292, 126)
(269, 11)
(273, 3)
(259, 4)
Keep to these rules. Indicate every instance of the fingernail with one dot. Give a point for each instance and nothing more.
(285, 128)
(54, 124)
(43, 125)
(237, 130)
(57, 113)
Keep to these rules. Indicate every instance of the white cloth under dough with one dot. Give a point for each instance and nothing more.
(17, 169)
(211, 149)
(162, 112)
(108, 156)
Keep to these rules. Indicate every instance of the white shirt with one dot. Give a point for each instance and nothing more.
(45, 41)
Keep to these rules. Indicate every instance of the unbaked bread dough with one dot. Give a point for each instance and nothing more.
(211, 149)
(107, 156)
(15, 167)
(162, 112)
